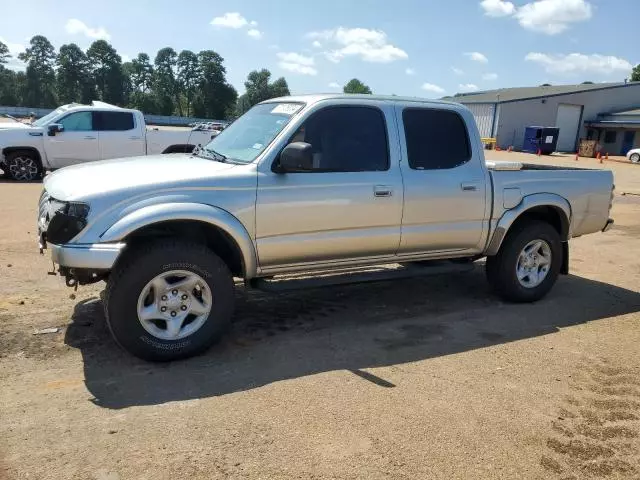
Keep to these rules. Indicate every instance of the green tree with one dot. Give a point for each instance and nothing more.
(164, 85)
(106, 70)
(73, 76)
(40, 75)
(188, 77)
(259, 89)
(4, 54)
(215, 97)
(141, 73)
(356, 86)
(635, 73)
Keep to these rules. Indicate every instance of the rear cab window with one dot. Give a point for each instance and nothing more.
(114, 121)
(436, 139)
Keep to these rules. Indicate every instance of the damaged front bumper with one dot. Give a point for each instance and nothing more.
(99, 256)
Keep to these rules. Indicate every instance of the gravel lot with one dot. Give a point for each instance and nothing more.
(424, 378)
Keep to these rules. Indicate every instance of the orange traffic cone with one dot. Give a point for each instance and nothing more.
(539, 152)
(510, 149)
(606, 156)
(599, 157)
(576, 156)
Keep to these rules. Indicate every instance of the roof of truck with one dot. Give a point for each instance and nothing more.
(331, 96)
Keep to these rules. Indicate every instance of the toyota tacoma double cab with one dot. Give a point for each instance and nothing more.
(318, 183)
(78, 133)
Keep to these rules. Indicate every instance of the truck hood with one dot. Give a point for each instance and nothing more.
(133, 174)
(13, 125)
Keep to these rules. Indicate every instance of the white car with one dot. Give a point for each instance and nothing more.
(634, 155)
(76, 133)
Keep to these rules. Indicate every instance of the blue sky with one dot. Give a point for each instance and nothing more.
(407, 47)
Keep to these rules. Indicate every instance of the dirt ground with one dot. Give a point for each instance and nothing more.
(424, 378)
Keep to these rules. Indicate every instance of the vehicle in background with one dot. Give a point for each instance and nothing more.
(310, 183)
(634, 155)
(77, 133)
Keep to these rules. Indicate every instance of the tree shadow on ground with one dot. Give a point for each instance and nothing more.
(285, 336)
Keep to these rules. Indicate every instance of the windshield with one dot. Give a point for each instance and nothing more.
(249, 135)
(41, 122)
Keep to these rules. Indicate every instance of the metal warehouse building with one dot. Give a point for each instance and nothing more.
(607, 112)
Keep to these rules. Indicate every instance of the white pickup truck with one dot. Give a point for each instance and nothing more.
(77, 133)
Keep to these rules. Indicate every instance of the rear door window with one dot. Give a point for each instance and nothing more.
(115, 121)
(436, 139)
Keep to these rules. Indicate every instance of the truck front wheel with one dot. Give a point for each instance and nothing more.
(528, 263)
(23, 166)
(168, 301)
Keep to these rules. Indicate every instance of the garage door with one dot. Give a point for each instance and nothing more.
(568, 121)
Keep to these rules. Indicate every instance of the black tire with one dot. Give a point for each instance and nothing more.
(140, 266)
(501, 268)
(33, 174)
(635, 158)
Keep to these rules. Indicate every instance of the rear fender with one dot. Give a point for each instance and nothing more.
(558, 203)
(214, 216)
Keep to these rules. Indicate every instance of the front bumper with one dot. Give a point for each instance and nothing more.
(97, 256)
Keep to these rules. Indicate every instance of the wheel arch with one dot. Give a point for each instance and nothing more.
(550, 208)
(9, 150)
(220, 230)
(179, 148)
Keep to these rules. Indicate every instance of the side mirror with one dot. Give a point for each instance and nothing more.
(296, 157)
(55, 128)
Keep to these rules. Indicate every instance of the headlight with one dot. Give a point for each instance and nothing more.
(77, 209)
(67, 221)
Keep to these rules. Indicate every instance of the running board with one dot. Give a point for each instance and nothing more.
(285, 283)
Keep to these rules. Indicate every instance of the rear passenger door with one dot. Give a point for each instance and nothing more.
(348, 206)
(445, 184)
(120, 135)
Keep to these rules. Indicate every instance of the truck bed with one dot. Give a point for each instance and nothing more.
(589, 192)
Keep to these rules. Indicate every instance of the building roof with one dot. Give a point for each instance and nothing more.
(504, 95)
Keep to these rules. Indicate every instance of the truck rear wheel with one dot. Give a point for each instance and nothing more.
(169, 301)
(528, 263)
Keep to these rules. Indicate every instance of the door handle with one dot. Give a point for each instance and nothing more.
(382, 191)
(134, 138)
(468, 187)
(89, 138)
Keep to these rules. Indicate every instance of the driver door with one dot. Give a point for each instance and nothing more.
(77, 143)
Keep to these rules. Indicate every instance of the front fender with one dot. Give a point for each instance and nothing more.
(214, 216)
(560, 204)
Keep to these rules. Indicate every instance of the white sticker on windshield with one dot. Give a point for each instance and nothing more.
(257, 146)
(286, 108)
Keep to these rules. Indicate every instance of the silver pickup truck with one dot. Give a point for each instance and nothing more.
(318, 183)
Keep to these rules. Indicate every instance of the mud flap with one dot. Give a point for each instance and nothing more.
(564, 269)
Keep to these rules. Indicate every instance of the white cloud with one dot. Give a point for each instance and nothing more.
(296, 63)
(334, 85)
(230, 20)
(490, 76)
(253, 23)
(255, 33)
(430, 87)
(457, 71)
(497, 8)
(14, 50)
(410, 71)
(580, 63)
(368, 45)
(553, 16)
(317, 44)
(75, 26)
(477, 57)
(467, 87)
